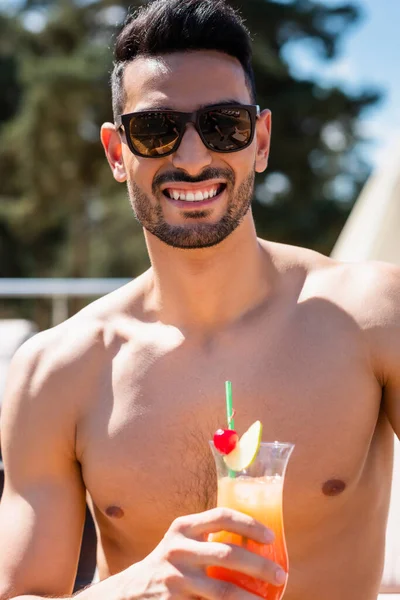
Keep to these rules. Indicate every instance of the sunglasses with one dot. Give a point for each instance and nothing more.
(158, 133)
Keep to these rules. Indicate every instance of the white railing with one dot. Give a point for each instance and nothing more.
(59, 290)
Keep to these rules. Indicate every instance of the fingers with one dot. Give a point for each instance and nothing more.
(190, 550)
(239, 559)
(230, 556)
(213, 589)
(223, 519)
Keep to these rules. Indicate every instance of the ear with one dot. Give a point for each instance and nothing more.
(263, 135)
(113, 148)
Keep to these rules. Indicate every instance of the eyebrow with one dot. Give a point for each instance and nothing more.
(226, 102)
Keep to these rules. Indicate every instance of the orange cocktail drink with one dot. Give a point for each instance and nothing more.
(257, 492)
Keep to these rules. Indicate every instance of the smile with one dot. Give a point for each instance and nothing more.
(194, 195)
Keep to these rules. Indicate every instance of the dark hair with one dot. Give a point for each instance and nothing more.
(165, 26)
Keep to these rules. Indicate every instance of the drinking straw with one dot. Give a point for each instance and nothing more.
(229, 408)
(229, 414)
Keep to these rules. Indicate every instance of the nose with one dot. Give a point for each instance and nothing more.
(192, 155)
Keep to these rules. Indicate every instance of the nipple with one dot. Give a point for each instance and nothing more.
(333, 487)
(114, 511)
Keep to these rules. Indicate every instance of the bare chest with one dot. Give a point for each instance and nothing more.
(143, 444)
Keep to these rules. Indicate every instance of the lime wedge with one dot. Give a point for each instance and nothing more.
(246, 449)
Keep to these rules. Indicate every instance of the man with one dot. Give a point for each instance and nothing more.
(120, 401)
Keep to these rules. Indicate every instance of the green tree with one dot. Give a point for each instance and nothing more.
(315, 143)
(61, 213)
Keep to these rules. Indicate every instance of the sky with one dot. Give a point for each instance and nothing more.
(369, 56)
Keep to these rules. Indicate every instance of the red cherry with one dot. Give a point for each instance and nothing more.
(225, 440)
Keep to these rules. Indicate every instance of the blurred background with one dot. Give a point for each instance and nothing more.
(327, 70)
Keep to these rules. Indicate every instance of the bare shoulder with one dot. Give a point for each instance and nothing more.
(55, 355)
(368, 293)
(42, 399)
(370, 290)
(379, 283)
(56, 372)
(82, 338)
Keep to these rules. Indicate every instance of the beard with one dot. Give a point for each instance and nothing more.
(193, 235)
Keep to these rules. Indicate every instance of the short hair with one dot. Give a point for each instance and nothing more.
(166, 26)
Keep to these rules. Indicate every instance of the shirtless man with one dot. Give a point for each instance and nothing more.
(119, 402)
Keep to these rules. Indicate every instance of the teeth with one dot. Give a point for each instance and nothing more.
(193, 196)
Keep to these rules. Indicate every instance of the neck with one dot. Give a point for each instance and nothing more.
(209, 288)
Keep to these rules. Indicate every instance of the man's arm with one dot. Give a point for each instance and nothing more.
(43, 505)
(384, 327)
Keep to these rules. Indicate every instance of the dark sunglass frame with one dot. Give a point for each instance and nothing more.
(123, 122)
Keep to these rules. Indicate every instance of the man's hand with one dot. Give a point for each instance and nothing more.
(177, 567)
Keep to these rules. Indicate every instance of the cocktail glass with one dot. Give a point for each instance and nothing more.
(256, 491)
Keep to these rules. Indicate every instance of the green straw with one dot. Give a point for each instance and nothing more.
(229, 413)
(229, 407)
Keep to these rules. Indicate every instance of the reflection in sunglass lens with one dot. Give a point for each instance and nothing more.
(154, 133)
(226, 129)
